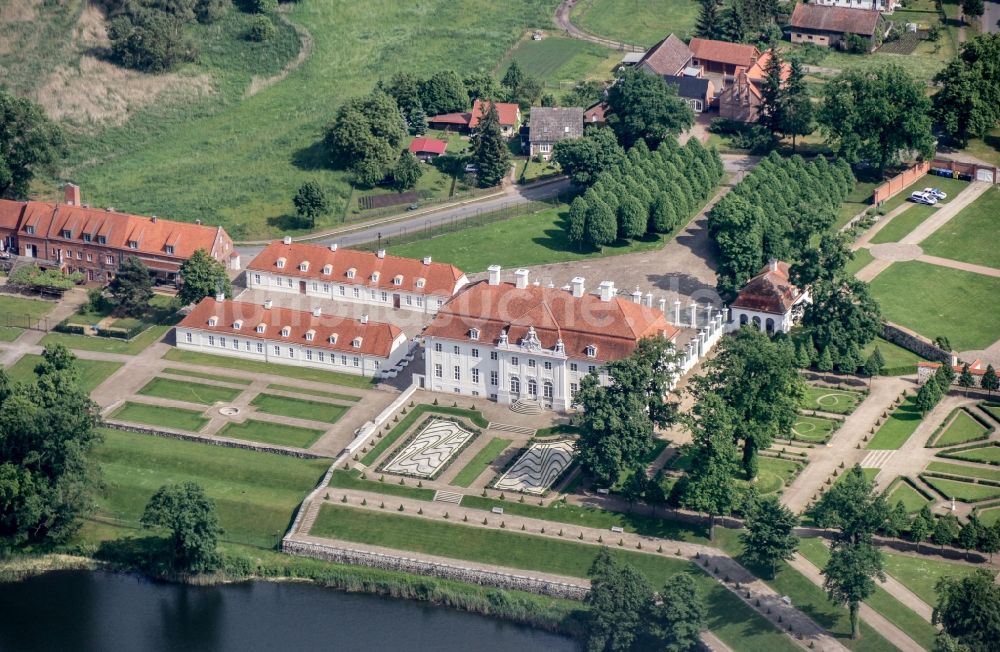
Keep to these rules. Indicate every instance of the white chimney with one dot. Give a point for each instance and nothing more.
(153, 219)
(317, 311)
(648, 302)
(71, 192)
(494, 271)
(578, 287)
(427, 260)
(607, 290)
(268, 303)
(772, 264)
(287, 240)
(364, 319)
(220, 297)
(333, 247)
(380, 253)
(521, 277)
(637, 295)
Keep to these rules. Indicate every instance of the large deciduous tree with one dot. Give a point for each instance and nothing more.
(30, 144)
(202, 276)
(365, 137)
(968, 611)
(490, 150)
(619, 600)
(190, 517)
(849, 577)
(968, 104)
(769, 536)
(583, 159)
(641, 106)
(132, 288)
(877, 115)
(710, 484)
(443, 92)
(853, 506)
(311, 202)
(677, 618)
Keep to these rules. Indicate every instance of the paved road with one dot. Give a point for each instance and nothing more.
(991, 17)
(562, 20)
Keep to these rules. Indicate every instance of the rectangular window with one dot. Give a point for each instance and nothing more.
(211, 340)
(355, 362)
(102, 240)
(277, 350)
(326, 288)
(377, 364)
(90, 258)
(247, 345)
(222, 342)
(438, 371)
(256, 279)
(572, 366)
(291, 352)
(79, 255)
(494, 378)
(343, 290)
(458, 373)
(409, 300)
(67, 234)
(260, 347)
(475, 353)
(493, 355)
(475, 376)
(170, 250)
(87, 237)
(29, 230)
(343, 360)
(309, 355)
(591, 369)
(357, 293)
(187, 336)
(531, 364)
(420, 302)
(236, 344)
(289, 282)
(573, 387)
(132, 244)
(548, 366)
(514, 362)
(315, 286)
(109, 259)
(322, 357)
(456, 350)
(437, 347)
(385, 297)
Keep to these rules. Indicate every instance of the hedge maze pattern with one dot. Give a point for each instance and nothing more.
(536, 470)
(430, 450)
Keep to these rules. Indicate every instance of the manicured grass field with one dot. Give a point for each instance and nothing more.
(869, 474)
(254, 367)
(981, 472)
(895, 430)
(92, 372)
(154, 415)
(179, 390)
(556, 59)
(903, 223)
(315, 392)
(920, 574)
(903, 492)
(255, 493)
(989, 516)
(199, 374)
(965, 492)
(638, 22)
(18, 313)
(814, 429)
(835, 401)
(898, 361)
(774, 474)
(950, 186)
(993, 409)
(861, 258)
(137, 345)
(937, 301)
(881, 601)
(298, 408)
(411, 417)
(731, 620)
(351, 479)
(480, 462)
(985, 454)
(271, 433)
(970, 235)
(961, 429)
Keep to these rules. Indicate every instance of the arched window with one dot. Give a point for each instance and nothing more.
(743, 321)
(769, 325)
(532, 387)
(756, 322)
(515, 385)
(547, 390)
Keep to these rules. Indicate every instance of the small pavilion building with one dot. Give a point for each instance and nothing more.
(769, 301)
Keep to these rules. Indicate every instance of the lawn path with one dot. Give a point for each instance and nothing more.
(957, 264)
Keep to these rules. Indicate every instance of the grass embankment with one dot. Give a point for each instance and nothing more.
(315, 392)
(158, 416)
(969, 236)
(255, 367)
(92, 372)
(297, 408)
(898, 361)
(256, 493)
(267, 432)
(896, 429)
(480, 462)
(19, 313)
(730, 619)
(191, 392)
(351, 479)
(410, 418)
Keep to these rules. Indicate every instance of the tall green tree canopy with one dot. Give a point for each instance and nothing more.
(769, 536)
(710, 484)
(365, 136)
(641, 106)
(877, 115)
(311, 202)
(619, 600)
(132, 287)
(968, 104)
(854, 506)
(584, 159)
(677, 618)
(849, 577)
(490, 150)
(190, 516)
(443, 92)
(202, 276)
(30, 144)
(968, 610)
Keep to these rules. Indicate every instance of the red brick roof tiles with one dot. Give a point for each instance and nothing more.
(668, 57)
(770, 291)
(843, 20)
(428, 146)
(508, 113)
(734, 54)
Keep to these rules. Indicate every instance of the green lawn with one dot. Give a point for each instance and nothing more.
(920, 574)
(315, 392)
(981, 472)
(895, 430)
(271, 433)
(993, 409)
(639, 22)
(936, 301)
(969, 235)
(861, 258)
(987, 454)
(869, 474)
(480, 462)
(898, 361)
(814, 429)
(639, 520)
(200, 374)
(965, 492)
(18, 313)
(859, 199)
(255, 493)
(729, 618)
(298, 408)
(252, 366)
(903, 492)
(180, 390)
(92, 372)
(154, 415)
(961, 428)
(409, 419)
(881, 601)
(775, 474)
(137, 345)
(556, 59)
(903, 223)
(835, 401)
(951, 186)
(989, 516)
(351, 479)
(988, 148)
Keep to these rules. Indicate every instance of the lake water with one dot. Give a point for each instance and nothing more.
(83, 611)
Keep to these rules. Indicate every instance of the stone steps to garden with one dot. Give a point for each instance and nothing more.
(448, 497)
(312, 511)
(526, 406)
(517, 430)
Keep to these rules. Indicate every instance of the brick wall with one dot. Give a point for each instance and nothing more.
(896, 184)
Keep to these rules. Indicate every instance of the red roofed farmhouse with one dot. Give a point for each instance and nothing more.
(354, 276)
(721, 56)
(427, 149)
(75, 238)
(514, 341)
(509, 115)
(769, 301)
(828, 26)
(267, 333)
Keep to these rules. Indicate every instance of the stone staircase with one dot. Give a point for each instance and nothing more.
(448, 497)
(517, 430)
(312, 511)
(526, 406)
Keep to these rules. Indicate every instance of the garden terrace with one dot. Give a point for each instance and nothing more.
(538, 468)
(385, 440)
(480, 462)
(814, 430)
(160, 417)
(267, 432)
(430, 450)
(834, 401)
(987, 454)
(297, 408)
(897, 428)
(91, 372)
(960, 427)
(187, 391)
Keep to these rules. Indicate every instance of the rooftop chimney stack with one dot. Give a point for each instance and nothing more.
(637, 295)
(427, 260)
(380, 253)
(773, 264)
(287, 240)
(71, 192)
(268, 303)
(364, 319)
(317, 311)
(578, 286)
(220, 297)
(494, 271)
(607, 290)
(521, 277)
(153, 219)
(333, 247)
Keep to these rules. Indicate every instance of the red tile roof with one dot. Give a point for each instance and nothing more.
(842, 20)
(509, 114)
(612, 327)
(770, 291)
(452, 118)
(376, 338)
(428, 146)
(439, 278)
(734, 54)
(757, 70)
(595, 114)
(10, 214)
(976, 367)
(668, 57)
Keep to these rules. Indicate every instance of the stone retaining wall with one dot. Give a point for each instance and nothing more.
(226, 443)
(916, 344)
(444, 571)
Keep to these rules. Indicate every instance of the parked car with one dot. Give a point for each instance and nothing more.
(936, 193)
(921, 197)
(413, 207)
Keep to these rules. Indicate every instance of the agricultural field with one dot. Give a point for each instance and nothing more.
(558, 61)
(834, 401)
(539, 466)
(896, 429)
(637, 22)
(969, 236)
(959, 428)
(267, 432)
(190, 392)
(160, 417)
(936, 301)
(92, 372)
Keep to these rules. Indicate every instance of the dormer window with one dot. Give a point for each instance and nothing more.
(310, 334)
(375, 276)
(238, 324)
(398, 279)
(87, 237)
(591, 351)
(420, 282)
(285, 331)
(169, 249)
(304, 266)
(328, 269)
(67, 234)
(280, 263)
(474, 334)
(261, 328)
(213, 320)
(356, 342)
(29, 229)
(351, 272)
(102, 239)
(333, 338)
(132, 244)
